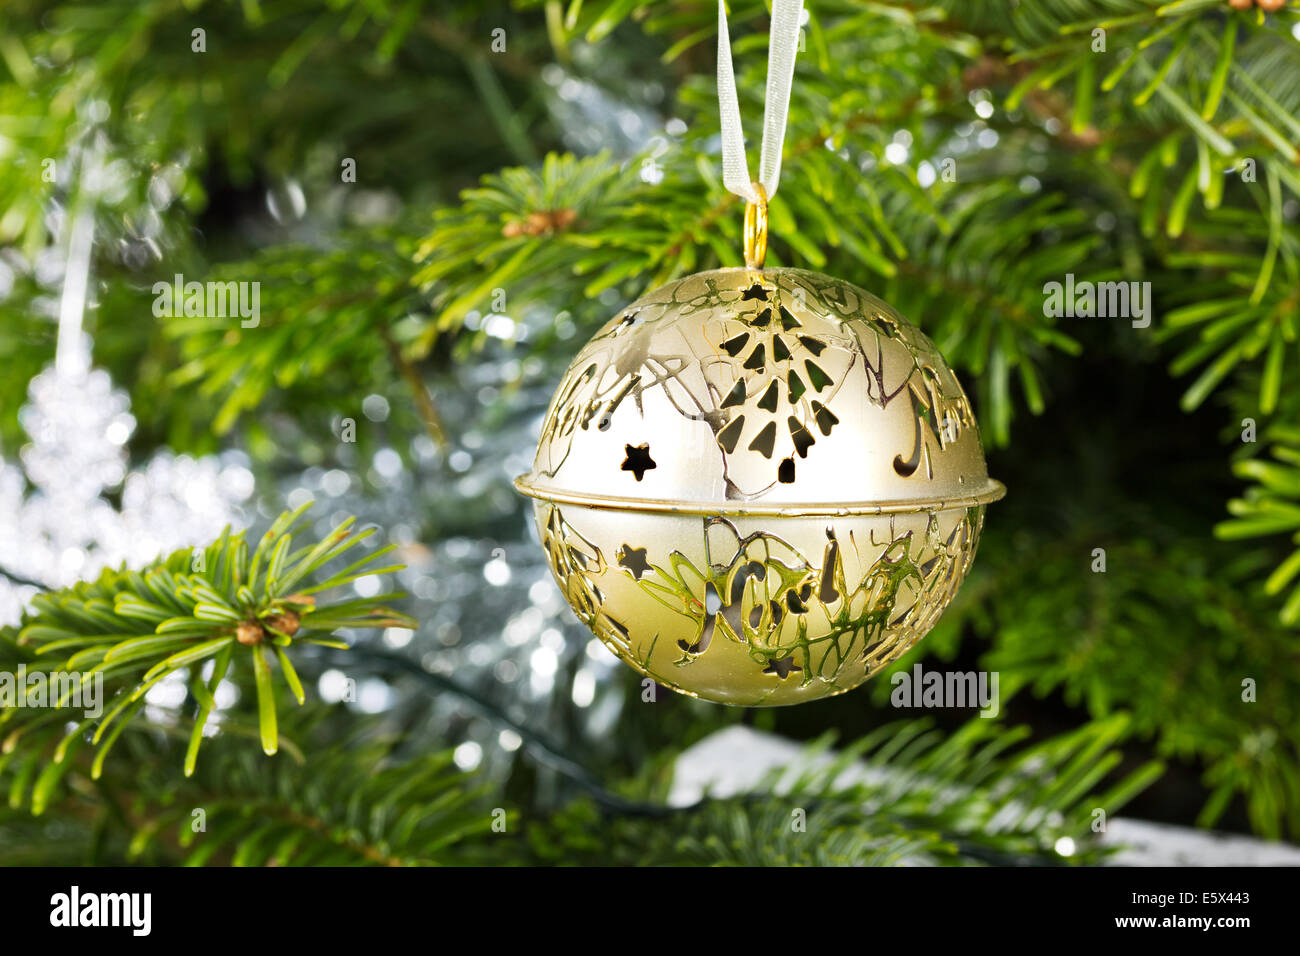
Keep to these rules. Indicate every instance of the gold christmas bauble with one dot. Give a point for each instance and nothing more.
(759, 486)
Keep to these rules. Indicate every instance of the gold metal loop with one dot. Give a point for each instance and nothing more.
(756, 229)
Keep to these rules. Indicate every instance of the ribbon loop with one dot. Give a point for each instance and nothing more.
(783, 46)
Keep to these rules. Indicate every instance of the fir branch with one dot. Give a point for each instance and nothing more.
(133, 629)
(905, 794)
(326, 320)
(1126, 638)
(347, 802)
(1271, 506)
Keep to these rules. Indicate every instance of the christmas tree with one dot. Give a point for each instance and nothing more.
(285, 289)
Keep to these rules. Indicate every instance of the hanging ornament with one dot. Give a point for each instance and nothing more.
(66, 528)
(759, 486)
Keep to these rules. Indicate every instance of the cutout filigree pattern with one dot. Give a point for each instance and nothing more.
(781, 625)
(762, 358)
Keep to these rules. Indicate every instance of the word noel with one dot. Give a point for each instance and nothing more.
(133, 910)
(211, 300)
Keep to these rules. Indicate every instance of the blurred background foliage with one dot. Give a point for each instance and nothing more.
(521, 171)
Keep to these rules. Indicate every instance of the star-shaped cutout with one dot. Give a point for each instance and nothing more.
(782, 668)
(634, 559)
(755, 291)
(638, 460)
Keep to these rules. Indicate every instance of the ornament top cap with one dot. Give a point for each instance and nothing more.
(760, 391)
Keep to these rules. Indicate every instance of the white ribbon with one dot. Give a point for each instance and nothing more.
(783, 45)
